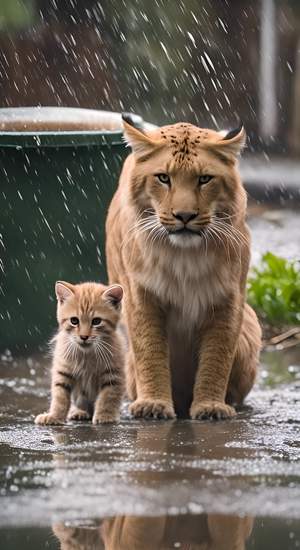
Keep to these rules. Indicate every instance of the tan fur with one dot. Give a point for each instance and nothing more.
(192, 340)
(204, 532)
(77, 538)
(89, 371)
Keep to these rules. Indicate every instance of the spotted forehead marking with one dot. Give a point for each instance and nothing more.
(183, 140)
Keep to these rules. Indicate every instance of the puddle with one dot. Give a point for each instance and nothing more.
(149, 485)
(170, 478)
(281, 366)
(187, 532)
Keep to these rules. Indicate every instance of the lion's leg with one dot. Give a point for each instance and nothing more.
(130, 377)
(245, 364)
(216, 355)
(228, 531)
(146, 326)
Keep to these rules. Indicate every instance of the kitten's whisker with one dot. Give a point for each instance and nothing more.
(103, 357)
(106, 362)
(107, 351)
(105, 343)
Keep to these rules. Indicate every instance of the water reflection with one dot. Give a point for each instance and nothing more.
(77, 472)
(205, 532)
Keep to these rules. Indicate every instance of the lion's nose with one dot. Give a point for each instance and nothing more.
(185, 217)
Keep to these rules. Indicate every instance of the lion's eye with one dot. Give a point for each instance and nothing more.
(163, 178)
(74, 321)
(96, 321)
(204, 179)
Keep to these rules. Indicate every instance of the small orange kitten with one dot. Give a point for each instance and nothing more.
(88, 358)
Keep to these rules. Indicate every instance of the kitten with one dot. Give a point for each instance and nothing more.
(88, 358)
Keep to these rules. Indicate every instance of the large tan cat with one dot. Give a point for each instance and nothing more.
(178, 243)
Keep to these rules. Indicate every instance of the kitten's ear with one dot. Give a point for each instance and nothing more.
(113, 295)
(63, 291)
(140, 143)
(232, 142)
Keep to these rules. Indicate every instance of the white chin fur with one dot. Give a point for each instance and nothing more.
(85, 347)
(185, 241)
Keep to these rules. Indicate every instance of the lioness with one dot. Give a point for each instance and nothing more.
(178, 243)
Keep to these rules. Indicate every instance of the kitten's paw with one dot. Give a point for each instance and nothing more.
(79, 414)
(105, 418)
(47, 418)
(152, 408)
(211, 410)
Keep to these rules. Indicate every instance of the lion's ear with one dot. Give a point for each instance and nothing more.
(232, 142)
(140, 143)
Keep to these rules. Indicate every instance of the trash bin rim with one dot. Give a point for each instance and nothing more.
(60, 137)
(79, 138)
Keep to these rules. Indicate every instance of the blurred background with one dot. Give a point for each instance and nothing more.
(210, 61)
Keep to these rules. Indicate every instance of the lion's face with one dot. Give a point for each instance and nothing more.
(185, 182)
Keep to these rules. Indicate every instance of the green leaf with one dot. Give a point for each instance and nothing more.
(274, 289)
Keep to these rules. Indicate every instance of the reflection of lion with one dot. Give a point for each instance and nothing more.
(205, 532)
(193, 532)
(77, 538)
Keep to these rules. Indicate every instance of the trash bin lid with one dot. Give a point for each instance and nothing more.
(61, 126)
(47, 119)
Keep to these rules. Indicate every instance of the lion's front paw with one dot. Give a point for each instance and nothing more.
(211, 410)
(152, 408)
(79, 414)
(105, 418)
(48, 419)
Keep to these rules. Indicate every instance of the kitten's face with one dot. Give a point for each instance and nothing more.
(87, 313)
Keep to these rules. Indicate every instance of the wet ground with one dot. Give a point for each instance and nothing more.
(151, 485)
(171, 480)
(276, 230)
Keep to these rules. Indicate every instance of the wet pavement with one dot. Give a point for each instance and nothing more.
(148, 485)
(180, 481)
(275, 230)
(268, 178)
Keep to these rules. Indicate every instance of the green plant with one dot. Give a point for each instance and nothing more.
(274, 289)
(16, 14)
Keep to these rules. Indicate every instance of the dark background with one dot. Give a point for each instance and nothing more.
(196, 60)
(209, 62)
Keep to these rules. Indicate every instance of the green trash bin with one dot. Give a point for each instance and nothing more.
(59, 169)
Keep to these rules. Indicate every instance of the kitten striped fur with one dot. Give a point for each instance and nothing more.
(87, 368)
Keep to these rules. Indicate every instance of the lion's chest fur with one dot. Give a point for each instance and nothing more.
(188, 287)
(189, 283)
